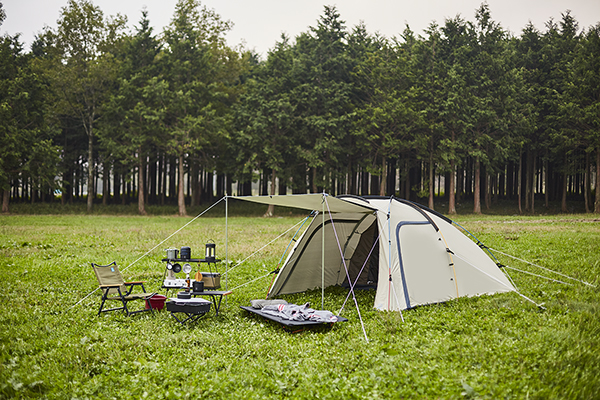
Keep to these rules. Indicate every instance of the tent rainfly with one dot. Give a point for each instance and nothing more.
(412, 255)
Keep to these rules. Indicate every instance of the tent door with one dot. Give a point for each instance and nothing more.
(366, 258)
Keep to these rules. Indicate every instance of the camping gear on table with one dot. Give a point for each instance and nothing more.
(212, 280)
(172, 254)
(210, 249)
(185, 253)
(198, 286)
(184, 295)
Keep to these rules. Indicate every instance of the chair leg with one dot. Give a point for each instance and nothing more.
(124, 305)
(101, 305)
(104, 295)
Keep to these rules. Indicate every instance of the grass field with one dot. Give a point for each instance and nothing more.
(490, 347)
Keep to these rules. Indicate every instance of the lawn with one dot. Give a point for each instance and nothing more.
(53, 345)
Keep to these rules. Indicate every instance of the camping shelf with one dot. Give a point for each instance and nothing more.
(192, 260)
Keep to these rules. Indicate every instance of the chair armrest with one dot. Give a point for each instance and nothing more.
(131, 285)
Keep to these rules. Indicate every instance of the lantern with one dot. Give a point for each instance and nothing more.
(209, 255)
(187, 268)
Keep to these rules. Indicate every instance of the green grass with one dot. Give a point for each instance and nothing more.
(489, 347)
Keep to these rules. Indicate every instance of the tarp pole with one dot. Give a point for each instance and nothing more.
(323, 256)
(226, 241)
(389, 226)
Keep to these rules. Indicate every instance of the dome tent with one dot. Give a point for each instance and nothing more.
(412, 255)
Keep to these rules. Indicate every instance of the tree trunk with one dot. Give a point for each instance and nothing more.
(220, 185)
(196, 184)
(563, 203)
(33, 192)
(228, 185)
(351, 178)
(547, 184)
(90, 194)
(487, 186)
(172, 178)
(407, 180)
(510, 180)
(162, 168)
(459, 188)
(452, 192)
(587, 185)
(77, 191)
(533, 168)
(105, 183)
(597, 207)
(180, 194)
(477, 189)
(519, 179)
(383, 181)
(527, 179)
(282, 187)
(271, 208)
(116, 185)
(124, 190)
(431, 182)
(5, 200)
(141, 191)
(563, 206)
(374, 184)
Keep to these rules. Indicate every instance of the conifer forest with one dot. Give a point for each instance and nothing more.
(101, 110)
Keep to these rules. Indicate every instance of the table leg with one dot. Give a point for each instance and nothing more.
(217, 306)
(190, 317)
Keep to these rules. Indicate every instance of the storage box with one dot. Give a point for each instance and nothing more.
(192, 306)
(212, 280)
(157, 302)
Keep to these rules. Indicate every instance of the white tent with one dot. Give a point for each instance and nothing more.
(412, 255)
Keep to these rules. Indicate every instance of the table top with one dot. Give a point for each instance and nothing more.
(211, 293)
(182, 287)
(195, 260)
(188, 301)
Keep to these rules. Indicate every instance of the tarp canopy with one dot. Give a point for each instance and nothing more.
(313, 201)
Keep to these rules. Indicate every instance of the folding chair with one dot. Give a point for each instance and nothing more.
(115, 288)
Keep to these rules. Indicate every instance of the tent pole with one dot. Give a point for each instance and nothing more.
(226, 242)
(389, 226)
(323, 255)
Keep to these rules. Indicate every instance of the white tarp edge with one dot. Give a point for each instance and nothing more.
(313, 201)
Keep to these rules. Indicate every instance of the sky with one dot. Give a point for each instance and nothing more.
(258, 24)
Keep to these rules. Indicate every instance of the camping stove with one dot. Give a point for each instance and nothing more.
(177, 283)
(171, 281)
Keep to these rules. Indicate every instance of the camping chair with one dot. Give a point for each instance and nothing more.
(115, 288)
